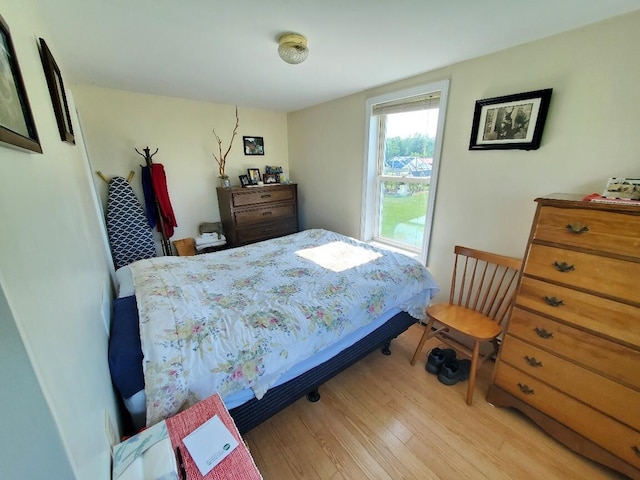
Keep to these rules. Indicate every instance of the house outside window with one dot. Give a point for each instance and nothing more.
(402, 157)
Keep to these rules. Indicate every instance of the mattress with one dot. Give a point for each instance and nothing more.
(125, 359)
(315, 269)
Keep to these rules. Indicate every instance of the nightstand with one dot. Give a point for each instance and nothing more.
(238, 465)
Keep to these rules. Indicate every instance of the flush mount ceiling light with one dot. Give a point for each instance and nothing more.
(293, 48)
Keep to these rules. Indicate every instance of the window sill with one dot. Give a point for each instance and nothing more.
(408, 253)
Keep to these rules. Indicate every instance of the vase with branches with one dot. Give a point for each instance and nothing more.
(221, 158)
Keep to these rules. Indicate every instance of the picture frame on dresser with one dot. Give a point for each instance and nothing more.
(510, 122)
(254, 176)
(17, 127)
(244, 180)
(57, 93)
(270, 178)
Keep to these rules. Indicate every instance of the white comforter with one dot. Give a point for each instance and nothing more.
(240, 318)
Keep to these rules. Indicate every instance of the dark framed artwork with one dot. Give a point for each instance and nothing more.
(510, 122)
(58, 95)
(17, 126)
(270, 178)
(253, 145)
(244, 180)
(254, 175)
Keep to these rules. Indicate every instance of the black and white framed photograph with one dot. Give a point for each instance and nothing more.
(57, 92)
(270, 178)
(244, 180)
(17, 126)
(254, 175)
(253, 145)
(510, 122)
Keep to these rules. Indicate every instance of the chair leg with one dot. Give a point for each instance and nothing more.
(472, 373)
(425, 335)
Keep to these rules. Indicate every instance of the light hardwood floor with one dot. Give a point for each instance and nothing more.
(384, 419)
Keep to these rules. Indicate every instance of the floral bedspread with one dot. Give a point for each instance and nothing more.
(240, 318)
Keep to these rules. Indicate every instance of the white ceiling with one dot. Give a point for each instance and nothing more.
(226, 51)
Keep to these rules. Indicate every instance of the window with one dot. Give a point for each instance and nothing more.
(401, 166)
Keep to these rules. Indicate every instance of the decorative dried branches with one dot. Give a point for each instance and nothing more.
(222, 158)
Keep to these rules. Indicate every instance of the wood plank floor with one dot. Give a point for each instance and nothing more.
(384, 419)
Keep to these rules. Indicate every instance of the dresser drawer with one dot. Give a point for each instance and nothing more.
(603, 275)
(616, 233)
(267, 230)
(610, 434)
(272, 194)
(612, 359)
(264, 214)
(601, 393)
(607, 317)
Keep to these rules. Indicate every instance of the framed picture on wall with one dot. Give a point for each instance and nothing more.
(253, 145)
(17, 127)
(58, 95)
(510, 122)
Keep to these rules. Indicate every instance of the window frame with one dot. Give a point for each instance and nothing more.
(371, 179)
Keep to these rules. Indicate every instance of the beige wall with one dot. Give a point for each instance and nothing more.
(53, 265)
(485, 198)
(116, 122)
(54, 275)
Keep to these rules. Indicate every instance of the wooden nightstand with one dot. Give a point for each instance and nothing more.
(186, 247)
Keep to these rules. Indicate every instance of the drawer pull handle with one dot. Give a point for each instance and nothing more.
(265, 214)
(563, 267)
(532, 361)
(553, 301)
(525, 389)
(578, 228)
(265, 196)
(542, 333)
(636, 450)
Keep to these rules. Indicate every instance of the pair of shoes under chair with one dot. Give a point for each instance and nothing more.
(450, 370)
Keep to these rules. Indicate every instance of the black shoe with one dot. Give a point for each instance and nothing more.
(454, 371)
(437, 357)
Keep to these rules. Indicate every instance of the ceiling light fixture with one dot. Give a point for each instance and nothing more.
(293, 48)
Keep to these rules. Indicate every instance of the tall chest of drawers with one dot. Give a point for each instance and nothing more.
(570, 357)
(250, 215)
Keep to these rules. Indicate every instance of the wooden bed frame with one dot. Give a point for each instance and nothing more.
(254, 412)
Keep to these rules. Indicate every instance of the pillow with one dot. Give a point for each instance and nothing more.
(125, 350)
(124, 278)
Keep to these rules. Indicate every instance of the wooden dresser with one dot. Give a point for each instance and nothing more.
(253, 214)
(570, 359)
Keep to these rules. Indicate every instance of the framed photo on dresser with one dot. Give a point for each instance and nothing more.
(254, 175)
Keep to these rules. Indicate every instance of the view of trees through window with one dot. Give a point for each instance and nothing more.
(405, 176)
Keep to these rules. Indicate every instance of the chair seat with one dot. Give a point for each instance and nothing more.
(465, 320)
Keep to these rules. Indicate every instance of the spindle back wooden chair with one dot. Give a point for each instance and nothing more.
(482, 288)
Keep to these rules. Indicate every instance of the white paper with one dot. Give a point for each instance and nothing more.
(146, 456)
(209, 444)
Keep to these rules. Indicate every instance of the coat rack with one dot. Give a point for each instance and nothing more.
(164, 241)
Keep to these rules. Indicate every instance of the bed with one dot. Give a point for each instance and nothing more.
(262, 325)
